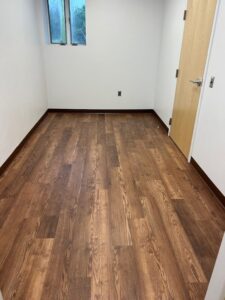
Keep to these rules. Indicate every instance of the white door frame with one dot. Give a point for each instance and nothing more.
(205, 84)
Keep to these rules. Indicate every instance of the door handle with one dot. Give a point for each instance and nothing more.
(197, 81)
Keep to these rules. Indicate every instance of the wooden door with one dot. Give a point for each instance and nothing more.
(197, 33)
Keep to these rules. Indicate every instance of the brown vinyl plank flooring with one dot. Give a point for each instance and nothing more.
(104, 206)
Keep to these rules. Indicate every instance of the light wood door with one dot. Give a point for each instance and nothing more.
(197, 33)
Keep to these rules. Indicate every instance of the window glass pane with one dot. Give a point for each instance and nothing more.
(57, 21)
(78, 22)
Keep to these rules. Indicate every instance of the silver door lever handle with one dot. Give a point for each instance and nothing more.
(197, 81)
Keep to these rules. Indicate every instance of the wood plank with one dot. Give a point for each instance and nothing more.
(119, 211)
(188, 261)
(125, 274)
(152, 278)
(176, 281)
(102, 286)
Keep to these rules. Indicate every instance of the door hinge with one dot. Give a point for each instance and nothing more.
(170, 121)
(185, 15)
(177, 73)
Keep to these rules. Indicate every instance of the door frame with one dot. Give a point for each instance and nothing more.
(204, 80)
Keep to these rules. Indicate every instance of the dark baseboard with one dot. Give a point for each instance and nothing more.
(161, 121)
(61, 110)
(209, 182)
(18, 148)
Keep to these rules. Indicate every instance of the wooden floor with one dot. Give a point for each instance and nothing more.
(104, 206)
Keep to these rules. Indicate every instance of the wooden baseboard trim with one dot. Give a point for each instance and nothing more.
(209, 182)
(18, 148)
(161, 121)
(100, 110)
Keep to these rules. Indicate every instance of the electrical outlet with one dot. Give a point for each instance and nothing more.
(119, 93)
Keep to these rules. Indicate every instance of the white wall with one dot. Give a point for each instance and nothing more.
(216, 289)
(170, 48)
(122, 50)
(209, 142)
(22, 86)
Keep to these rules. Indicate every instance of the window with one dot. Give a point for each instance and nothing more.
(57, 21)
(77, 22)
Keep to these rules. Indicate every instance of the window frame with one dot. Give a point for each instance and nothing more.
(50, 27)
